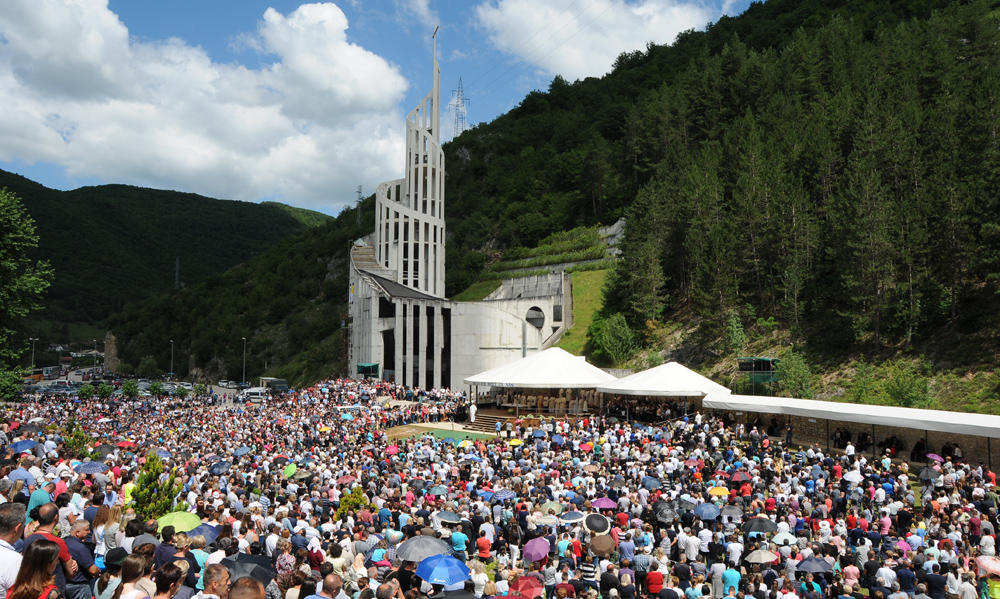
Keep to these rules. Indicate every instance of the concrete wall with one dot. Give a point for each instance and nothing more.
(529, 287)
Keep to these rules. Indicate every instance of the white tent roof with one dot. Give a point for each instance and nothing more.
(981, 425)
(667, 380)
(553, 368)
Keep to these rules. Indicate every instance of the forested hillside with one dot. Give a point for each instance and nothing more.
(288, 302)
(112, 244)
(818, 175)
(579, 153)
(844, 183)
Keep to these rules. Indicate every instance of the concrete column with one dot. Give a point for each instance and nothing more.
(422, 347)
(398, 340)
(408, 371)
(438, 346)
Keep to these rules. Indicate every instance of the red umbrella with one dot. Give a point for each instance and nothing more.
(125, 444)
(586, 446)
(392, 450)
(527, 586)
(343, 480)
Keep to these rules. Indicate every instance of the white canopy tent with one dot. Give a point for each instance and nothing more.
(980, 425)
(667, 380)
(553, 368)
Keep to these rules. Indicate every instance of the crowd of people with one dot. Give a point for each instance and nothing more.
(308, 496)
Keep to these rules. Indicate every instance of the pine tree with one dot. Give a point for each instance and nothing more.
(155, 492)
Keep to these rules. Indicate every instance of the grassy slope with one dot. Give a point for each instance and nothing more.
(477, 291)
(309, 218)
(586, 302)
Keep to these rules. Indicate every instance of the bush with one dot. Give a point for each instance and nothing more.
(612, 340)
(153, 498)
(85, 392)
(148, 367)
(130, 389)
(795, 376)
(352, 502)
(105, 390)
(736, 337)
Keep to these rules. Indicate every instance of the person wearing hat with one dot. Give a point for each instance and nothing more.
(111, 577)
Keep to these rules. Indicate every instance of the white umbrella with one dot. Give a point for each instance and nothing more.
(854, 477)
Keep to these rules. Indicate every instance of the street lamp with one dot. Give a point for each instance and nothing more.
(95, 353)
(33, 339)
(171, 359)
(244, 360)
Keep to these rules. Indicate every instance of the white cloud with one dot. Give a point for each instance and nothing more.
(320, 117)
(420, 10)
(583, 39)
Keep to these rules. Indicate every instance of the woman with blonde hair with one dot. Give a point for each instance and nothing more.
(98, 526)
(113, 528)
(479, 577)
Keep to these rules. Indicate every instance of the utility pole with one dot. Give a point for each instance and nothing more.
(95, 353)
(171, 359)
(460, 103)
(33, 339)
(244, 360)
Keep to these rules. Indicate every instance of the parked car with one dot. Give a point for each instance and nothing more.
(224, 384)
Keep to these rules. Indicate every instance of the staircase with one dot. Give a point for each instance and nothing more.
(364, 258)
(486, 424)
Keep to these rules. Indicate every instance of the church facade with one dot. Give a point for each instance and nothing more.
(401, 324)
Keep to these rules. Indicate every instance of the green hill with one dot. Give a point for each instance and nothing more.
(112, 244)
(811, 175)
(288, 303)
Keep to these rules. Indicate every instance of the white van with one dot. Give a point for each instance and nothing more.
(254, 394)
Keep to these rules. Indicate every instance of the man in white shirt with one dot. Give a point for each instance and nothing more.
(11, 528)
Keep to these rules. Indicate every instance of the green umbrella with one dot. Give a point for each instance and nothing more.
(290, 469)
(181, 521)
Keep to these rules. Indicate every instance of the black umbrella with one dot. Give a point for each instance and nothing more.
(220, 468)
(417, 484)
(280, 460)
(617, 483)
(927, 473)
(449, 517)
(597, 524)
(182, 455)
(241, 568)
(732, 511)
(666, 516)
(814, 565)
(28, 429)
(759, 525)
(416, 549)
(105, 450)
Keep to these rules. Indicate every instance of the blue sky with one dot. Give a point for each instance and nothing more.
(252, 100)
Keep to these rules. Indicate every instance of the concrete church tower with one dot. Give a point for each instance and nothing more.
(401, 327)
(409, 222)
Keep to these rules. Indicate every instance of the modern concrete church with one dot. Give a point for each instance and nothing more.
(402, 327)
